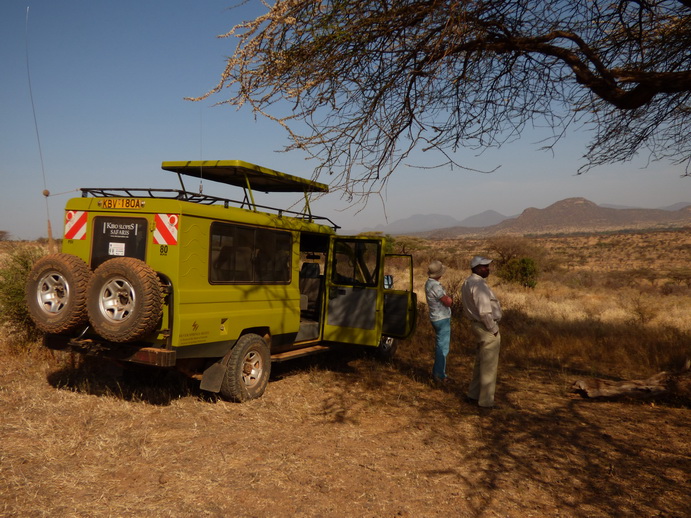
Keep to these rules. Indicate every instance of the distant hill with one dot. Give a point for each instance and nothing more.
(569, 215)
(417, 223)
(427, 222)
(484, 219)
(575, 215)
(676, 206)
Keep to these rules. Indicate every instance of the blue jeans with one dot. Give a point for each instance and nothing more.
(442, 330)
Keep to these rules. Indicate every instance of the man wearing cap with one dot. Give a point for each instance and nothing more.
(440, 315)
(482, 307)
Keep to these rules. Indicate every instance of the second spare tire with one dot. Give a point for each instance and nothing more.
(124, 300)
(56, 293)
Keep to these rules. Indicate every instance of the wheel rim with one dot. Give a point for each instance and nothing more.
(117, 299)
(53, 293)
(252, 368)
(386, 343)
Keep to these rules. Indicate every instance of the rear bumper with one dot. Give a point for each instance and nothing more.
(135, 353)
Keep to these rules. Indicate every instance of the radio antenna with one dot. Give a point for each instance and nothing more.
(201, 154)
(46, 192)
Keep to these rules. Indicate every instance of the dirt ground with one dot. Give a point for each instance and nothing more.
(334, 438)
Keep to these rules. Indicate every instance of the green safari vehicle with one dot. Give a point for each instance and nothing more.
(216, 288)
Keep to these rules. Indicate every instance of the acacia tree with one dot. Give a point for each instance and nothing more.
(370, 80)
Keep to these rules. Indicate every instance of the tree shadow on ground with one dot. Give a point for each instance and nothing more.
(622, 457)
(130, 382)
(591, 463)
(161, 386)
(592, 459)
(334, 360)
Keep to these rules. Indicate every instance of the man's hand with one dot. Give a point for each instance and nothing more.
(446, 300)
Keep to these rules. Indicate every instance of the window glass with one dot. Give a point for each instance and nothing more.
(356, 262)
(247, 254)
(272, 256)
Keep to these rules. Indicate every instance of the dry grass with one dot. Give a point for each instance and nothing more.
(612, 304)
(348, 436)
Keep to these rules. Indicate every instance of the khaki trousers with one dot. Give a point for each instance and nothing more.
(484, 381)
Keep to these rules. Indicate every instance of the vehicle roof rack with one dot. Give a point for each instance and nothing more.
(203, 199)
(248, 176)
(245, 175)
(231, 172)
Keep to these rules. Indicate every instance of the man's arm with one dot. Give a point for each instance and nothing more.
(484, 307)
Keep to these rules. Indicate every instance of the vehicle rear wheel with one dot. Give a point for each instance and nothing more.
(124, 299)
(248, 367)
(56, 293)
(386, 348)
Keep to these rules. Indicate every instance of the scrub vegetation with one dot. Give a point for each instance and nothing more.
(345, 435)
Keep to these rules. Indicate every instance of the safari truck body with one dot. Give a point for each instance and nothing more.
(214, 287)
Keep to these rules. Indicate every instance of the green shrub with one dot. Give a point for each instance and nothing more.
(15, 266)
(522, 271)
(505, 248)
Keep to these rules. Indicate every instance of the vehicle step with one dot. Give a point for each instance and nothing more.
(297, 353)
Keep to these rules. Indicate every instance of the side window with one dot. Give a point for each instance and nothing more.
(272, 256)
(242, 254)
(356, 262)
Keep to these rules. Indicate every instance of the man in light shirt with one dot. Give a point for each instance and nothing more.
(482, 307)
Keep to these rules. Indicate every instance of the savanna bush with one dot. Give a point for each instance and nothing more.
(671, 288)
(505, 248)
(15, 266)
(522, 271)
(408, 245)
(681, 276)
(519, 259)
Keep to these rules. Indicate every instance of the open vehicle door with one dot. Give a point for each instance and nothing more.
(400, 301)
(354, 291)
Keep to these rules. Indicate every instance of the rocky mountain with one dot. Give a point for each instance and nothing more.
(575, 215)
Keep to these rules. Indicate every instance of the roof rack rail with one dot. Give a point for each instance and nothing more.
(203, 199)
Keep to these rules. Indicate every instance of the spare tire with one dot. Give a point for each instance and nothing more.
(56, 293)
(124, 299)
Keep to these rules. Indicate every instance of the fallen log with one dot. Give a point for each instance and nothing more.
(672, 384)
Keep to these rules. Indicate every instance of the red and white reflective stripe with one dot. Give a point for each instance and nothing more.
(166, 231)
(75, 224)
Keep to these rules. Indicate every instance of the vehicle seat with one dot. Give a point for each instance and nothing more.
(310, 284)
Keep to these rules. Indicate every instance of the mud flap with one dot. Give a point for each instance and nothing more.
(212, 379)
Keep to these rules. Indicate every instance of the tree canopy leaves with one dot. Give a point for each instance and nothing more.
(369, 81)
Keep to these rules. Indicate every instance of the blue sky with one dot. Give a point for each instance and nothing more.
(108, 81)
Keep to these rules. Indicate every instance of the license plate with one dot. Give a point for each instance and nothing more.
(121, 203)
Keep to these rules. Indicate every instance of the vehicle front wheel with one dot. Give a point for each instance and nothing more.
(248, 367)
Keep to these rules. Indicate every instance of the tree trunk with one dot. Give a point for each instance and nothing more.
(674, 384)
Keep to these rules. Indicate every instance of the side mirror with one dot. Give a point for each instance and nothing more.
(388, 282)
